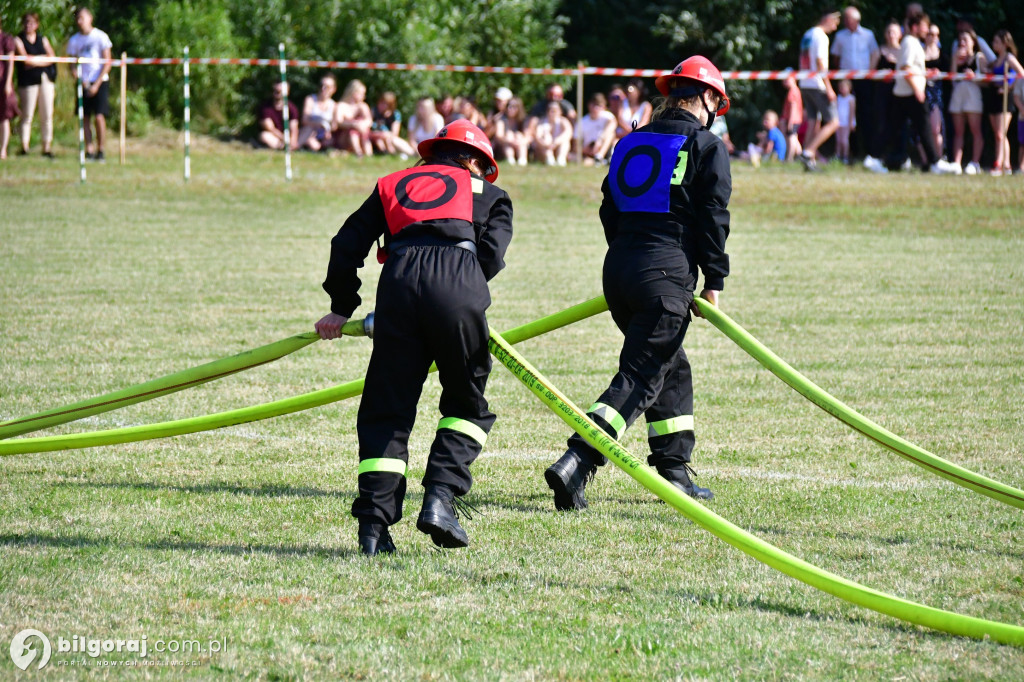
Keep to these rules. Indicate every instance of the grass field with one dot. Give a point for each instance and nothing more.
(901, 295)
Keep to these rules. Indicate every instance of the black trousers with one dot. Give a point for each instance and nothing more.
(902, 110)
(653, 378)
(860, 143)
(430, 308)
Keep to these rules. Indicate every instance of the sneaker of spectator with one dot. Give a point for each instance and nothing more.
(972, 169)
(874, 165)
(943, 167)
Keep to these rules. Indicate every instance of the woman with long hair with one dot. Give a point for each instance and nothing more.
(1007, 69)
(965, 105)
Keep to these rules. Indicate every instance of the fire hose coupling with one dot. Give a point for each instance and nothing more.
(368, 325)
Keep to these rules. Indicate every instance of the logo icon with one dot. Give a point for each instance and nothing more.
(23, 654)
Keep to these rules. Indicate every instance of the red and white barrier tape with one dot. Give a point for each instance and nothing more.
(839, 74)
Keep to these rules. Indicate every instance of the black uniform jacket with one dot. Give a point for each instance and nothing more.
(698, 217)
(490, 230)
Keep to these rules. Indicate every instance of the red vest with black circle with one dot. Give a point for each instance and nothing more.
(422, 193)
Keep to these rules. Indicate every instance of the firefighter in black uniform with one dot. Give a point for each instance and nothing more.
(665, 214)
(445, 229)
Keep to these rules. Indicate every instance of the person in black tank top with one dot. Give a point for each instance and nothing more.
(35, 83)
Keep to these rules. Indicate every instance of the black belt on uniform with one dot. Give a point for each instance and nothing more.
(404, 245)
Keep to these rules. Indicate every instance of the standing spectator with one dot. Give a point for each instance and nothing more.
(965, 105)
(933, 90)
(271, 119)
(90, 42)
(846, 108)
(510, 133)
(1006, 68)
(318, 116)
(909, 101)
(597, 130)
(8, 100)
(856, 49)
(35, 83)
(425, 123)
(353, 120)
(639, 108)
(553, 137)
(1018, 99)
(386, 133)
(618, 105)
(792, 117)
(888, 58)
(818, 95)
(966, 23)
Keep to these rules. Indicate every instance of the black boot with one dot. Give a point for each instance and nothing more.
(374, 539)
(681, 480)
(439, 520)
(568, 478)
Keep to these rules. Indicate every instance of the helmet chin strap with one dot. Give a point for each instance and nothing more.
(711, 114)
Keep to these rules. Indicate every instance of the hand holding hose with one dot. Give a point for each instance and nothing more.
(329, 326)
(709, 295)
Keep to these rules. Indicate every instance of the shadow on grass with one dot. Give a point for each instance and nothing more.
(81, 541)
(897, 540)
(213, 488)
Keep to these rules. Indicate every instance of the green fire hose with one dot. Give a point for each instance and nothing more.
(764, 552)
(267, 410)
(808, 389)
(168, 384)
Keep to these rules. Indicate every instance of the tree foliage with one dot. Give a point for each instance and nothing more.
(760, 34)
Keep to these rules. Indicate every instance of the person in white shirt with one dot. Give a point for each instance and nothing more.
(597, 130)
(92, 43)
(855, 48)
(818, 96)
(909, 100)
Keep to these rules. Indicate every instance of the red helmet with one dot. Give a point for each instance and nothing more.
(464, 132)
(699, 69)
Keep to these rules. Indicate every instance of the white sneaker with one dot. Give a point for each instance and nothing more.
(941, 167)
(907, 165)
(875, 165)
(972, 169)
(957, 170)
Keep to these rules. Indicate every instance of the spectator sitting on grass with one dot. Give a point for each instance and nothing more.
(352, 120)
(386, 133)
(553, 138)
(318, 116)
(271, 119)
(425, 124)
(597, 130)
(770, 141)
(511, 140)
